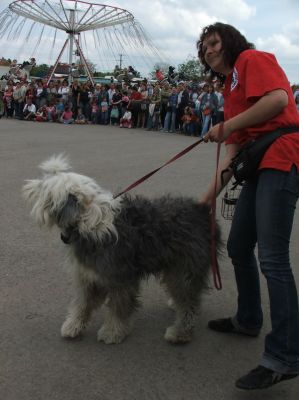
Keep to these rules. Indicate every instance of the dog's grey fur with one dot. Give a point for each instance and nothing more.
(116, 243)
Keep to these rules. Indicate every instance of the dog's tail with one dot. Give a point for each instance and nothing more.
(55, 164)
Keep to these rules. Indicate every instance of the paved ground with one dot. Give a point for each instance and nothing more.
(35, 363)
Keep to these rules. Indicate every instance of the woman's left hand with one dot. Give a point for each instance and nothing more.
(215, 134)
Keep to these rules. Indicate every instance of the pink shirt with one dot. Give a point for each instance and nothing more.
(67, 115)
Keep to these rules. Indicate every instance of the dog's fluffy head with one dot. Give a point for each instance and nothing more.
(70, 200)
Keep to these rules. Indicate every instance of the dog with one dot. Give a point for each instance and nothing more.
(115, 243)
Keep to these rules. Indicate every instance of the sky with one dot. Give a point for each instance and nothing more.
(175, 25)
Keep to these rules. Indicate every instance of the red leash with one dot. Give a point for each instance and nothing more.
(145, 177)
(215, 266)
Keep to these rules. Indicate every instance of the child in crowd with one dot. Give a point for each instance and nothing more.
(42, 114)
(59, 108)
(51, 110)
(114, 115)
(126, 120)
(81, 119)
(124, 102)
(29, 110)
(189, 121)
(94, 111)
(67, 116)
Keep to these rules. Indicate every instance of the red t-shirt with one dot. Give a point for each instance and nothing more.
(255, 74)
(136, 96)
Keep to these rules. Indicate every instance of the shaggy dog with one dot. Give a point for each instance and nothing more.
(114, 244)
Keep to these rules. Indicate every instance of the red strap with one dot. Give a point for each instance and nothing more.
(215, 265)
(145, 177)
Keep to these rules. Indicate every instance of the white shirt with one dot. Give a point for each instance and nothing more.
(30, 108)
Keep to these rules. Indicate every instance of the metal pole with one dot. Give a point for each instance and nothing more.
(57, 61)
(89, 73)
(71, 39)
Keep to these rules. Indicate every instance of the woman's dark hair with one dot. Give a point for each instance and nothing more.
(233, 43)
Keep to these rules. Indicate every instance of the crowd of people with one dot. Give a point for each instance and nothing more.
(181, 107)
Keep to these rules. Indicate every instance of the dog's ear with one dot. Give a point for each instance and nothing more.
(31, 190)
(69, 214)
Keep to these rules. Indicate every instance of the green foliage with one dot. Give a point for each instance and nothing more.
(40, 71)
(192, 70)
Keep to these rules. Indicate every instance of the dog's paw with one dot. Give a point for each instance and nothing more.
(111, 336)
(173, 335)
(71, 328)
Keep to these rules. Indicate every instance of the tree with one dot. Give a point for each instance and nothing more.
(191, 70)
(40, 71)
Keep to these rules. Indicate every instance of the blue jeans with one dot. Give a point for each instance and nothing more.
(169, 123)
(206, 121)
(264, 215)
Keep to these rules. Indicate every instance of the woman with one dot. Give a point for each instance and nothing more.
(258, 100)
(171, 110)
(135, 105)
(208, 107)
(83, 100)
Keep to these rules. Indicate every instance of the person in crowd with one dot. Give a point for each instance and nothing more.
(124, 102)
(103, 99)
(59, 108)
(63, 92)
(143, 111)
(111, 91)
(126, 120)
(208, 106)
(94, 111)
(183, 102)
(8, 101)
(51, 92)
(190, 122)
(81, 118)
(51, 110)
(83, 100)
(41, 95)
(41, 114)
(116, 107)
(67, 117)
(18, 101)
(166, 92)
(257, 100)
(29, 110)
(135, 105)
(74, 93)
(171, 110)
(31, 93)
(153, 121)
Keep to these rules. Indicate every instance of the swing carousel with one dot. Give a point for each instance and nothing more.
(82, 31)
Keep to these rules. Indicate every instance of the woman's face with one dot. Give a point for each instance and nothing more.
(213, 54)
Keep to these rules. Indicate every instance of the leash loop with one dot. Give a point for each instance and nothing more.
(215, 265)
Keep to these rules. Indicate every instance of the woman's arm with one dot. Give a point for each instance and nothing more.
(263, 110)
(231, 151)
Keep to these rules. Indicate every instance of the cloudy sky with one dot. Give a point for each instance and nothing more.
(174, 25)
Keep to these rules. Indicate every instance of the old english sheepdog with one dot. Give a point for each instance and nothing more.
(114, 244)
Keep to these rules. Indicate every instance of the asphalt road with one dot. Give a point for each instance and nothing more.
(35, 362)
